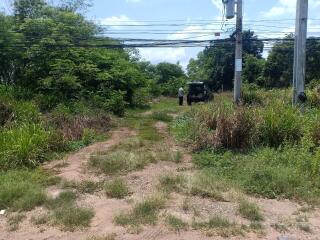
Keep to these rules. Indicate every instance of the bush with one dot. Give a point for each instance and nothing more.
(280, 124)
(116, 103)
(237, 131)
(141, 97)
(24, 146)
(78, 123)
(117, 189)
(251, 95)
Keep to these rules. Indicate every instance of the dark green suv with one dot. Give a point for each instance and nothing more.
(198, 92)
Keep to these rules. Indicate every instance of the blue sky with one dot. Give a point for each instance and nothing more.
(201, 16)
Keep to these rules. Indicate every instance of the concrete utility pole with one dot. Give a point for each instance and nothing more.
(238, 55)
(299, 66)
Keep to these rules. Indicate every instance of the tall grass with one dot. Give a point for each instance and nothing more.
(268, 149)
(23, 146)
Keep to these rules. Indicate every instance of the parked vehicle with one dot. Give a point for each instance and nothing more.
(198, 92)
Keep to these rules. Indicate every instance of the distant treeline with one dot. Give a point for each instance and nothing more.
(215, 64)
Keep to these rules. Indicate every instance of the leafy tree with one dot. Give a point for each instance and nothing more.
(253, 69)
(278, 70)
(215, 65)
(167, 71)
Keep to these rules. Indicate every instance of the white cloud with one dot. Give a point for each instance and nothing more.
(117, 20)
(133, 1)
(287, 7)
(172, 55)
(218, 4)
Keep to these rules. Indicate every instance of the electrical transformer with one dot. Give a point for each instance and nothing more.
(230, 8)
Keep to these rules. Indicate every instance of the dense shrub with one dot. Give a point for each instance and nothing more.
(236, 131)
(73, 121)
(23, 146)
(251, 95)
(279, 124)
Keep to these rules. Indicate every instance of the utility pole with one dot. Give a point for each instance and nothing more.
(299, 66)
(238, 55)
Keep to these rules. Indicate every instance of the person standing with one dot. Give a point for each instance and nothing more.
(181, 95)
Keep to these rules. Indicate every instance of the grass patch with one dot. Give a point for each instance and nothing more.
(144, 213)
(14, 221)
(250, 211)
(107, 237)
(176, 224)
(169, 156)
(208, 185)
(116, 189)
(266, 172)
(84, 187)
(169, 183)
(23, 190)
(218, 225)
(40, 220)
(71, 217)
(134, 153)
(280, 227)
(161, 116)
(66, 214)
(64, 199)
(121, 161)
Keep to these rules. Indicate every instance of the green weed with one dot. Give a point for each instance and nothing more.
(208, 185)
(72, 217)
(116, 189)
(250, 211)
(175, 223)
(144, 213)
(14, 221)
(22, 190)
(169, 183)
(161, 116)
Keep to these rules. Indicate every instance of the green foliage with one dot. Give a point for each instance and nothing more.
(144, 213)
(117, 189)
(23, 190)
(250, 211)
(71, 218)
(283, 160)
(66, 214)
(23, 146)
(215, 65)
(208, 185)
(162, 116)
(280, 123)
(267, 172)
(170, 183)
(176, 224)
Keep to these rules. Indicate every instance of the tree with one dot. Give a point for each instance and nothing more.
(278, 70)
(24, 9)
(253, 69)
(215, 65)
(168, 71)
(49, 58)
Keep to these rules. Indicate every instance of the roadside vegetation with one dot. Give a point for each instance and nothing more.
(265, 147)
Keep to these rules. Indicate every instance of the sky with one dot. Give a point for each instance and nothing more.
(194, 19)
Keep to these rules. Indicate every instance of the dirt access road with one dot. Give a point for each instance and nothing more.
(282, 219)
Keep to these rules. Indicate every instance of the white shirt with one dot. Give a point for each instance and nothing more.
(181, 92)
